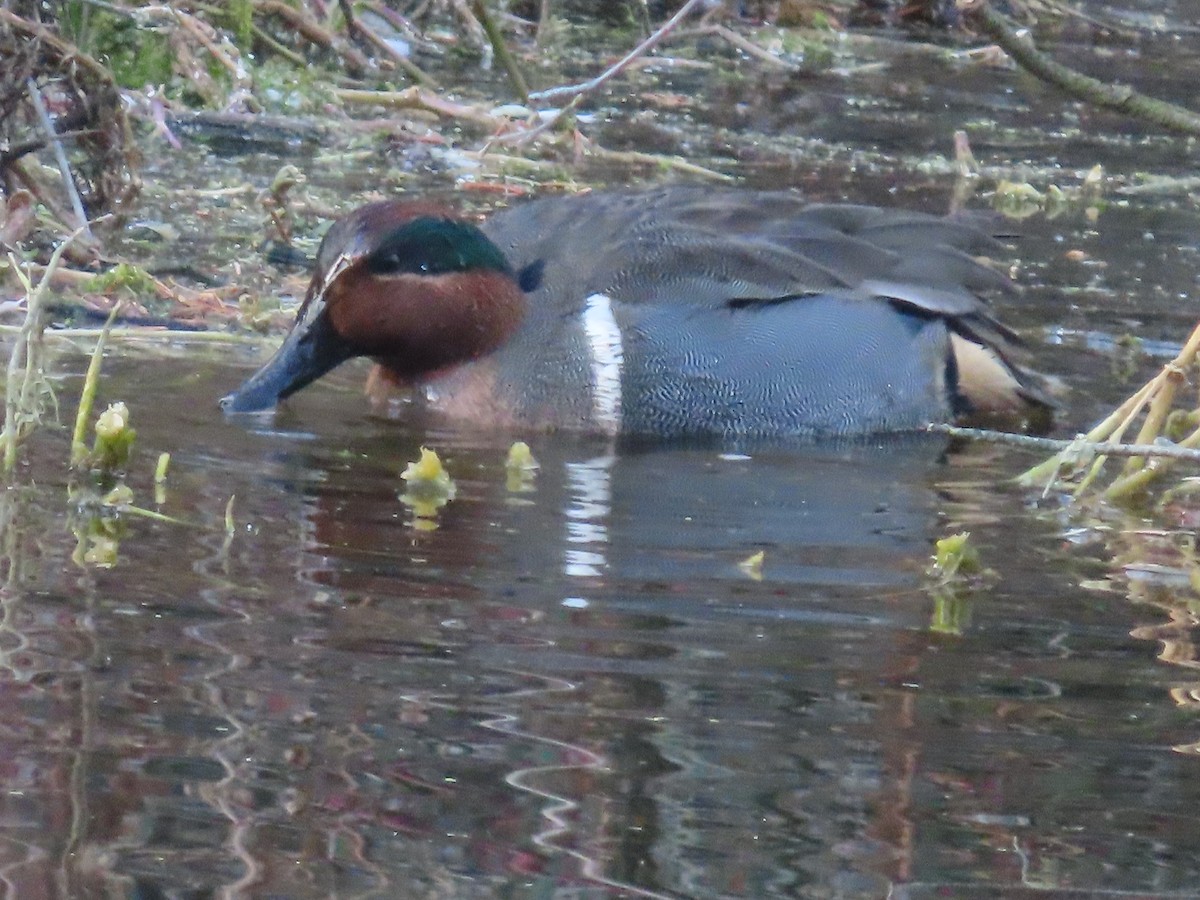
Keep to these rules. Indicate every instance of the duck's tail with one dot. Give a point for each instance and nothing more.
(988, 385)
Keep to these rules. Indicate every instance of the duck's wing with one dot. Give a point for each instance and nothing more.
(746, 252)
(928, 266)
(750, 242)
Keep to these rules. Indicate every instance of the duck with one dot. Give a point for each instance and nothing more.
(668, 312)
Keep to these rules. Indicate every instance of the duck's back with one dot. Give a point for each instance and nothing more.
(688, 310)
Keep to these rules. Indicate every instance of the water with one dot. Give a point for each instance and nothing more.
(570, 686)
(573, 685)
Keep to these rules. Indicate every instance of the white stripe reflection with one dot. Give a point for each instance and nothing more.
(591, 502)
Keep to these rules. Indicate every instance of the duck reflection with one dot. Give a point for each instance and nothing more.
(584, 661)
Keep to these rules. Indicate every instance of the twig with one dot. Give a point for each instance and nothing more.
(60, 156)
(617, 68)
(1154, 397)
(21, 174)
(201, 32)
(401, 24)
(144, 332)
(46, 36)
(1079, 447)
(287, 53)
(526, 135)
(419, 98)
(313, 32)
(25, 363)
(410, 68)
(1121, 98)
(543, 22)
(353, 27)
(578, 91)
(746, 45)
(968, 166)
(471, 28)
(653, 159)
(507, 161)
(156, 516)
(515, 77)
(193, 68)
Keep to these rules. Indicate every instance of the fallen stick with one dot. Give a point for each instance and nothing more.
(1120, 98)
(618, 67)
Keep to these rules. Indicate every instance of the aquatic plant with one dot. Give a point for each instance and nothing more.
(1166, 435)
(429, 487)
(27, 393)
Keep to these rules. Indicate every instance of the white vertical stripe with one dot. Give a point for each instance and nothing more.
(607, 357)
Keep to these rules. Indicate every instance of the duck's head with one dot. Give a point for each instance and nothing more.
(406, 284)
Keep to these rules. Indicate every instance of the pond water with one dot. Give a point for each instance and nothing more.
(567, 685)
(570, 685)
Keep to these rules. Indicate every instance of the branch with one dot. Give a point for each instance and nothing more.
(419, 98)
(67, 51)
(635, 157)
(746, 45)
(1121, 98)
(515, 78)
(1153, 399)
(313, 32)
(1076, 449)
(417, 74)
(641, 49)
(60, 156)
